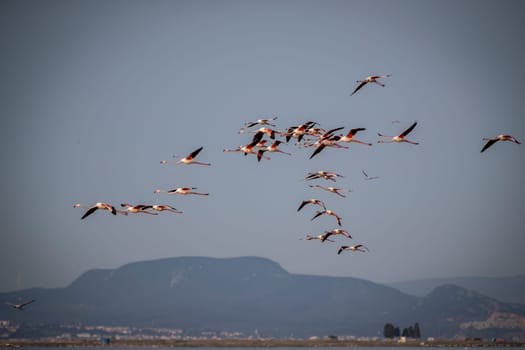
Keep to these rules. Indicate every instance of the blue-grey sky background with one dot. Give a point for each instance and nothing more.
(95, 93)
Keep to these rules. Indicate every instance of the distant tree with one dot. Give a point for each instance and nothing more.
(388, 330)
(405, 333)
(411, 332)
(397, 332)
(417, 331)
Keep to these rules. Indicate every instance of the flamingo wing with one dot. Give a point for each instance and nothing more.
(259, 154)
(315, 175)
(326, 235)
(407, 131)
(355, 131)
(88, 212)
(319, 213)
(194, 153)
(331, 131)
(257, 138)
(488, 144)
(27, 303)
(358, 246)
(362, 83)
(317, 150)
(303, 203)
(341, 248)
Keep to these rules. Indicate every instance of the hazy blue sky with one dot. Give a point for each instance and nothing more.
(95, 93)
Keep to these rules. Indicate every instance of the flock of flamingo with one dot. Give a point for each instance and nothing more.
(306, 135)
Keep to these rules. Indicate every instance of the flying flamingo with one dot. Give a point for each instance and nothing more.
(369, 177)
(369, 79)
(327, 212)
(327, 175)
(20, 306)
(262, 121)
(322, 237)
(310, 134)
(271, 148)
(189, 159)
(400, 137)
(270, 132)
(337, 231)
(315, 132)
(327, 139)
(311, 201)
(249, 147)
(353, 248)
(349, 137)
(163, 207)
(332, 189)
(299, 131)
(139, 208)
(182, 190)
(502, 137)
(100, 205)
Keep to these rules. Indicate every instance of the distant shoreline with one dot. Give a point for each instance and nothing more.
(253, 343)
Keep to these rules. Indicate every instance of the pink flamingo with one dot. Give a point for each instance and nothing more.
(262, 121)
(271, 148)
(183, 191)
(327, 212)
(139, 208)
(327, 175)
(311, 201)
(322, 237)
(332, 189)
(100, 205)
(400, 137)
(502, 137)
(299, 131)
(353, 248)
(20, 306)
(270, 132)
(337, 231)
(369, 79)
(249, 147)
(327, 139)
(165, 207)
(349, 137)
(189, 159)
(369, 177)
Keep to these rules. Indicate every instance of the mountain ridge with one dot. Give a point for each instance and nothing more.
(248, 293)
(506, 288)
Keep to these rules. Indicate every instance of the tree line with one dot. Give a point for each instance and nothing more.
(391, 331)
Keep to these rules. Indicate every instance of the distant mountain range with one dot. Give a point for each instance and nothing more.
(507, 289)
(249, 293)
